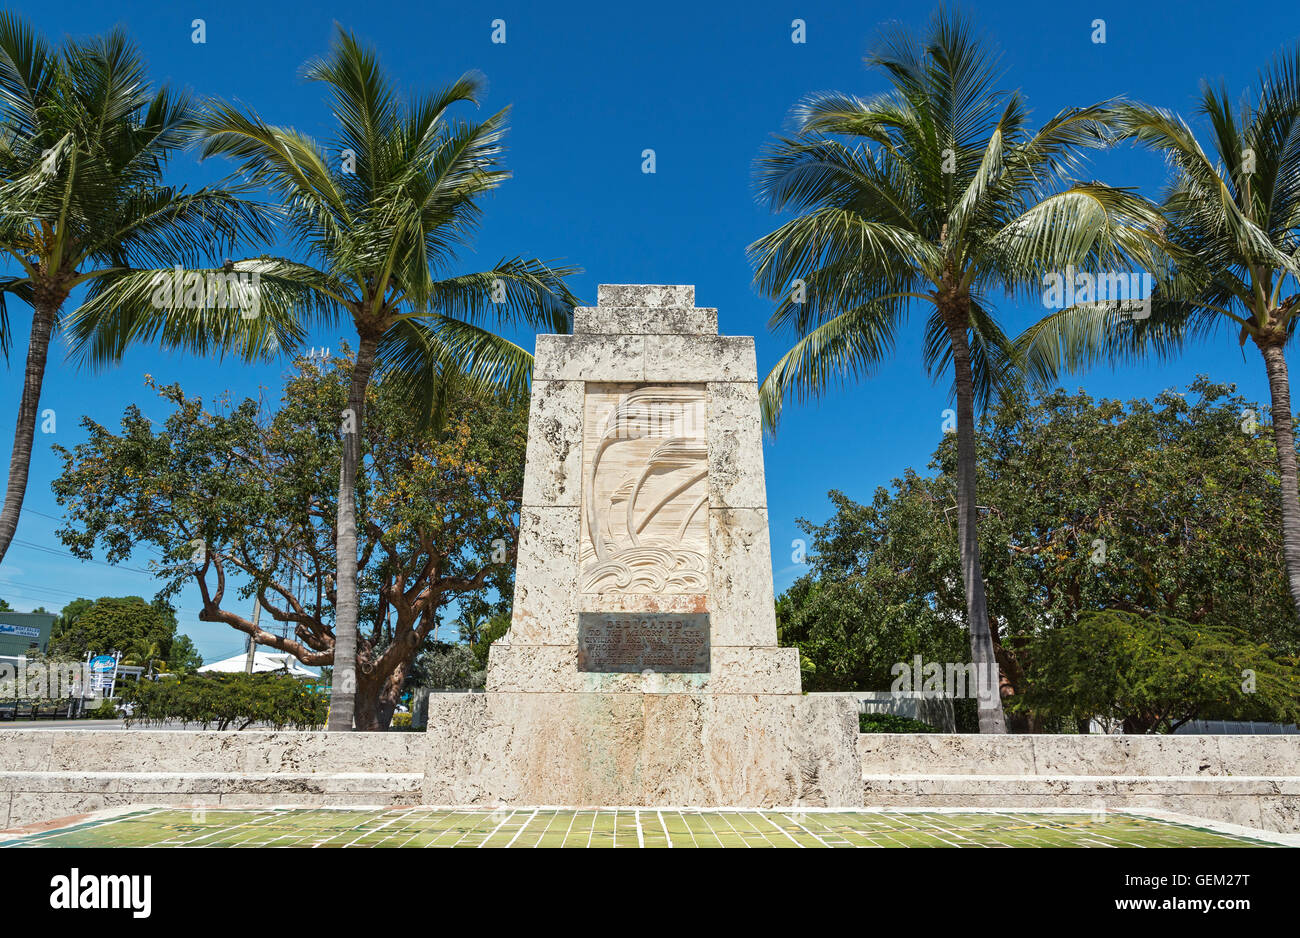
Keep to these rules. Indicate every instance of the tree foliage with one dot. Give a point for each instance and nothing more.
(144, 633)
(1155, 508)
(242, 501)
(226, 700)
(1155, 673)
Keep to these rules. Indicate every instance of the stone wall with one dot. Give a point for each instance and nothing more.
(49, 773)
(1249, 780)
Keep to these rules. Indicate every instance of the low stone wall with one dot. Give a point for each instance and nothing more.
(48, 773)
(1249, 780)
(969, 754)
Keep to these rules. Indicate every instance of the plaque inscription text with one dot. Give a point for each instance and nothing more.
(632, 642)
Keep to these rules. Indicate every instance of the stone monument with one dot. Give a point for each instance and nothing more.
(641, 666)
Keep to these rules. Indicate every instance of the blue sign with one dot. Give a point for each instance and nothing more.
(101, 663)
(26, 631)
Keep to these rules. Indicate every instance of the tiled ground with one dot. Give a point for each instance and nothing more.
(427, 827)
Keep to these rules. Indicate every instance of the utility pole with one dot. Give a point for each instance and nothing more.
(252, 640)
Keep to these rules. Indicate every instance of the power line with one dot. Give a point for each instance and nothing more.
(20, 588)
(33, 511)
(62, 553)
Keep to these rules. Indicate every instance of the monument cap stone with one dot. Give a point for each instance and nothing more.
(655, 309)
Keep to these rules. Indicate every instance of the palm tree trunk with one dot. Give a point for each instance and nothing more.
(43, 316)
(1279, 386)
(991, 717)
(343, 688)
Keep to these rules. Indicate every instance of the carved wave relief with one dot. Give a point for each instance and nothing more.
(645, 506)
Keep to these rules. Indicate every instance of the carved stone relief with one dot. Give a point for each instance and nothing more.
(645, 523)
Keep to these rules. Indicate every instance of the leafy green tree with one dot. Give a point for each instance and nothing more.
(83, 146)
(494, 628)
(242, 496)
(67, 616)
(936, 193)
(444, 665)
(183, 657)
(1228, 262)
(226, 700)
(4, 606)
(141, 631)
(1163, 507)
(1155, 673)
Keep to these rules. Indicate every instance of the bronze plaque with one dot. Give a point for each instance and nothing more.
(632, 642)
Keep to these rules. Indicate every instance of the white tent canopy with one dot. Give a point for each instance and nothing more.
(262, 661)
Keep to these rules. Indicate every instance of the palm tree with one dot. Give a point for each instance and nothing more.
(932, 194)
(83, 146)
(379, 216)
(1229, 259)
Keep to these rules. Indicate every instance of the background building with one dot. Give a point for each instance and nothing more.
(21, 632)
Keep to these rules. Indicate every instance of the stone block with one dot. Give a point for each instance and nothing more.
(645, 294)
(693, 358)
(629, 749)
(735, 446)
(546, 580)
(554, 456)
(743, 611)
(589, 358)
(644, 320)
(535, 669)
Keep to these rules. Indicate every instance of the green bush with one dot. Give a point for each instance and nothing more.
(106, 710)
(401, 719)
(226, 700)
(891, 723)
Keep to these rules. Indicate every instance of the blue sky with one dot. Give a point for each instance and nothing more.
(592, 86)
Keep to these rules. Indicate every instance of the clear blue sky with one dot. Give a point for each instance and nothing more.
(592, 85)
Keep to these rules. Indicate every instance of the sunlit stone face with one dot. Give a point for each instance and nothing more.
(645, 490)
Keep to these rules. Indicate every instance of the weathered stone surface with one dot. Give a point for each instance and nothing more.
(755, 670)
(554, 456)
(546, 580)
(639, 602)
(693, 358)
(644, 320)
(742, 603)
(629, 749)
(735, 446)
(536, 669)
(256, 751)
(589, 358)
(645, 294)
(1094, 754)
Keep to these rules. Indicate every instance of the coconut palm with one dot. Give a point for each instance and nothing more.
(83, 146)
(1228, 262)
(930, 195)
(379, 215)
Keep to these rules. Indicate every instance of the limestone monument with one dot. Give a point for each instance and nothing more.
(641, 666)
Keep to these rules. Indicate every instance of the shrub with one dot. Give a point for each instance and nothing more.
(226, 700)
(106, 710)
(891, 723)
(401, 720)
